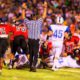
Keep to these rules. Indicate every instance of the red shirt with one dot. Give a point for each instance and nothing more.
(49, 47)
(16, 30)
(70, 44)
(75, 39)
(5, 29)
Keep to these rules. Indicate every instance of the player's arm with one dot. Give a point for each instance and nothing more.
(50, 32)
(66, 35)
(78, 45)
(67, 31)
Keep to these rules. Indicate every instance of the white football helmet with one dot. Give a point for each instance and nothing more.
(59, 20)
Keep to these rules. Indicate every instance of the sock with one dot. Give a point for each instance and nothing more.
(55, 63)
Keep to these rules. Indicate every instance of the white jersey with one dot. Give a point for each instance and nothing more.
(58, 32)
(67, 62)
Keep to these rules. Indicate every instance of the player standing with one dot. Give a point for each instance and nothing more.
(4, 34)
(57, 39)
(20, 35)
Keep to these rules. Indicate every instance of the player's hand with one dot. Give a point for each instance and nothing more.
(76, 58)
(64, 54)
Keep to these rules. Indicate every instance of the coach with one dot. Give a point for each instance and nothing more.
(34, 28)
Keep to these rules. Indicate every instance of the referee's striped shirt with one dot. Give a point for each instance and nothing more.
(34, 28)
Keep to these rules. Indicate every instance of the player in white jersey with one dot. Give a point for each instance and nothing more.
(57, 40)
(66, 62)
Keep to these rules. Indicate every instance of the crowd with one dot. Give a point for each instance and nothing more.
(48, 30)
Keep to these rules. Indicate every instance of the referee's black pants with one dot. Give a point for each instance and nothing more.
(33, 51)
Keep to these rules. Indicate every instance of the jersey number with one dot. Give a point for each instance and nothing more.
(2, 31)
(21, 29)
(58, 34)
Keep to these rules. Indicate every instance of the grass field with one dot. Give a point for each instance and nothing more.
(41, 74)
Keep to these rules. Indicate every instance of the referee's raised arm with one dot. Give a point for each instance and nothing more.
(45, 10)
(24, 7)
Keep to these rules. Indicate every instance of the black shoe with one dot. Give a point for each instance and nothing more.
(32, 69)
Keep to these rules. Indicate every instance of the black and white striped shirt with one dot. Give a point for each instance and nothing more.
(34, 28)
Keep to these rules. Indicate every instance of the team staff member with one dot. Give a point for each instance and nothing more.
(34, 27)
(4, 34)
(19, 37)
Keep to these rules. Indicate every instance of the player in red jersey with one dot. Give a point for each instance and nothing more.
(19, 37)
(4, 34)
(70, 43)
(76, 51)
(18, 41)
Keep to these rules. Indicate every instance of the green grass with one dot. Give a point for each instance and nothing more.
(41, 74)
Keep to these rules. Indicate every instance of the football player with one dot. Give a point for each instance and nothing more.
(70, 43)
(57, 39)
(5, 29)
(19, 37)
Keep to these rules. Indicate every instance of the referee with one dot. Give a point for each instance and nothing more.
(34, 28)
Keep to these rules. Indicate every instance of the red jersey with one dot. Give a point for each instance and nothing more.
(49, 47)
(70, 44)
(17, 30)
(5, 29)
(75, 39)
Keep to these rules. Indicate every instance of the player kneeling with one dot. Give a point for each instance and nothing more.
(45, 53)
(20, 60)
(72, 61)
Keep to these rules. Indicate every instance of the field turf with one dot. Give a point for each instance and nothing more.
(41, 74)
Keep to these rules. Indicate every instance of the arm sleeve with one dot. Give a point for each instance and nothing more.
(49, 29)
(67, 30)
